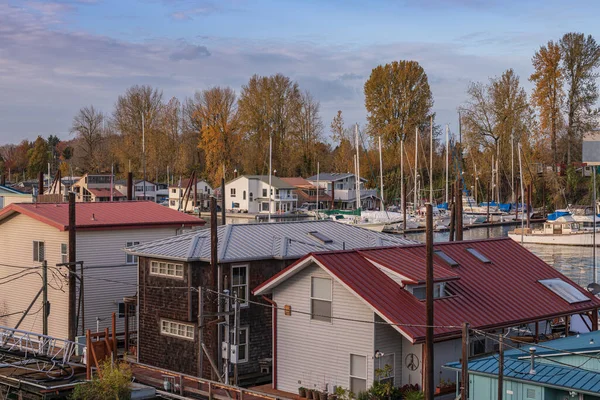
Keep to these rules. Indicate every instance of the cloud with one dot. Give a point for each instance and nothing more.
(189, 52)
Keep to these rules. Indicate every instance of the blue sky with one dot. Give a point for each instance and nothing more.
(59, 55)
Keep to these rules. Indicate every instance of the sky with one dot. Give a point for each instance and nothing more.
(57, 56)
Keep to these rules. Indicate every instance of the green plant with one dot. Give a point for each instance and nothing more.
(414, 395)
(343, 394)
(110, 383)
(363, 396)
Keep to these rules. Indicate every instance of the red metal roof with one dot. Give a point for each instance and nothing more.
(503, 293)
(104, 215)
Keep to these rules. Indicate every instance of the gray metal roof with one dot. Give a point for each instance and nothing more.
(282, 240)
(332, 176)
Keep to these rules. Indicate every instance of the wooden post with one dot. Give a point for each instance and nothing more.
(459, 211)
(223, 220)
(567, 322)
(429, 382)
(452, 226)
(529, 207)
(214, 271)
(126, 327)
(41, 183)
(72, 320)
(488, 203)
(464, 393)
(88, 355)
(500, 367)
(130, 185)
(114, 334)
(594, 319)
(537, 331)
(45, 298)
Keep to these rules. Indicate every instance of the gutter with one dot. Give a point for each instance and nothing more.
(274, 324)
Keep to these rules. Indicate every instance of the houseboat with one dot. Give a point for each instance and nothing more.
(562, 231)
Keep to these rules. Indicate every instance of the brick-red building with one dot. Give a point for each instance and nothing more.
(171, 271)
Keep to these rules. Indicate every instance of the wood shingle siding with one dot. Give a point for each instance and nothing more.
(314, 353)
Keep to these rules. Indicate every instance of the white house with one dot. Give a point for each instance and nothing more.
(250, 193)
(33, 233)
(177, 192)
(9, 195)
(340, 316)
(138, 189)
(342, 188)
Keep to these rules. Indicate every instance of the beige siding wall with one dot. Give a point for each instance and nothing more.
(389, 341)
(8, 199)
(16, 249)
(104, 258)
(314, 353)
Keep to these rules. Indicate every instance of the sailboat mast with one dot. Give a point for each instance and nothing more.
(522, 191)
(446, 164)
(431, 159)
(402, 174)
(498, 172)
(415, 206)
(512, 165)
(357, 169)
(381, 174)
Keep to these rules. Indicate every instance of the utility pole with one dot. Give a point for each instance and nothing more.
(223, 218)
(415, 205)
(431, 159)
(270, 171)
(458, 210)
(500, 367)
(429, 383)
(144, 151)
(45, 298)
(72, 322)
(464, 390)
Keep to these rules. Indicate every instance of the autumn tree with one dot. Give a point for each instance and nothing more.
(342, 154)
(548, 94)
(137, 114)
(269, 107)
(38, 157)
(398, 100)
(216, 114)
(309, 133)
(580, 60)
(87, 127)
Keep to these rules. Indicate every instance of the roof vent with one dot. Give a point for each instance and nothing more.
(320, 237)
(93, 217)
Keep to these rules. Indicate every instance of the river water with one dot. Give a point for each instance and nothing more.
(573, 261)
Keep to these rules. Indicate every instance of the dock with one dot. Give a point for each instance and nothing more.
(467, 227)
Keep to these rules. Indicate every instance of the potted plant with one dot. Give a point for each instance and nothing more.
(323, 395)
(302, 391)
(445, 386)
(315, 394)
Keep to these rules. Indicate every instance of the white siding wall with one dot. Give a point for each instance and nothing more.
(9, 199)
(203, 188)
(241, 185)
(16, 249)
(389, 341)
(314, 353)
(104, 258)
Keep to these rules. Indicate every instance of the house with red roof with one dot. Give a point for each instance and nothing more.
(33, 233)
(343, 315)
(97, 188)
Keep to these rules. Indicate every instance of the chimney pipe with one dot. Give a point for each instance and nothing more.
(235, 173)
(130, 185)
(3, 180)
(40, 183)
(532, 368)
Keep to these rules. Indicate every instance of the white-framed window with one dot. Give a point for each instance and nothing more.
(232, 192)
(130, 258)
(174, 191)
(64, 253)
(164, 268)
(320, 298)
(244, 195)
(243, 344)
(38, 251)
(177, 329)
(251, 196)
(264, 206)
(239, 282)
(264, 193)
(358, 373)
(419, 291)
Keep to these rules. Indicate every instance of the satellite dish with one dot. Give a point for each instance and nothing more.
(593, 288)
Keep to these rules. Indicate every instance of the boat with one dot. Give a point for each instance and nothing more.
(563, 230)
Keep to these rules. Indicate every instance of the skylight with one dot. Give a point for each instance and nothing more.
(447, 259)
(320, 237)
(565, 290)
(479, 256)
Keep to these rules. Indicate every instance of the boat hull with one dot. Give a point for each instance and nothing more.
(572, 239)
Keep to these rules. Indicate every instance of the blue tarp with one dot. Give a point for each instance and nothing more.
(557, 214)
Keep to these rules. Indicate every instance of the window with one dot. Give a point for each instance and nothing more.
(232, 192)
(447, 259)
(244, 195)
(479, 256)
(64, 253)
(251, 196)
(565, 290)
(320, 299)
(358, 373)
(264, 206)
(166, 269)
(477, 345)
(130, 258)
(121, 310)
(38, 251)
(172, 202)
(244, 335)
(531, 394)
(173, 191)
(264, 193)
(419, 291)
(239, 282)
(176, 329)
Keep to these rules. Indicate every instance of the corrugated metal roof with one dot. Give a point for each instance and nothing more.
(573, 344)
(103, 215)
(284, 240)
(504, 293)
(276, 182)
(103, 192)
(332, 176)
(546, 374)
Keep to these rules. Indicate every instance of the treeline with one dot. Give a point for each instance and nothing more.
(218, 131)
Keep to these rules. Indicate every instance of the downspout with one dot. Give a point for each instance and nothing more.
(274, 323)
